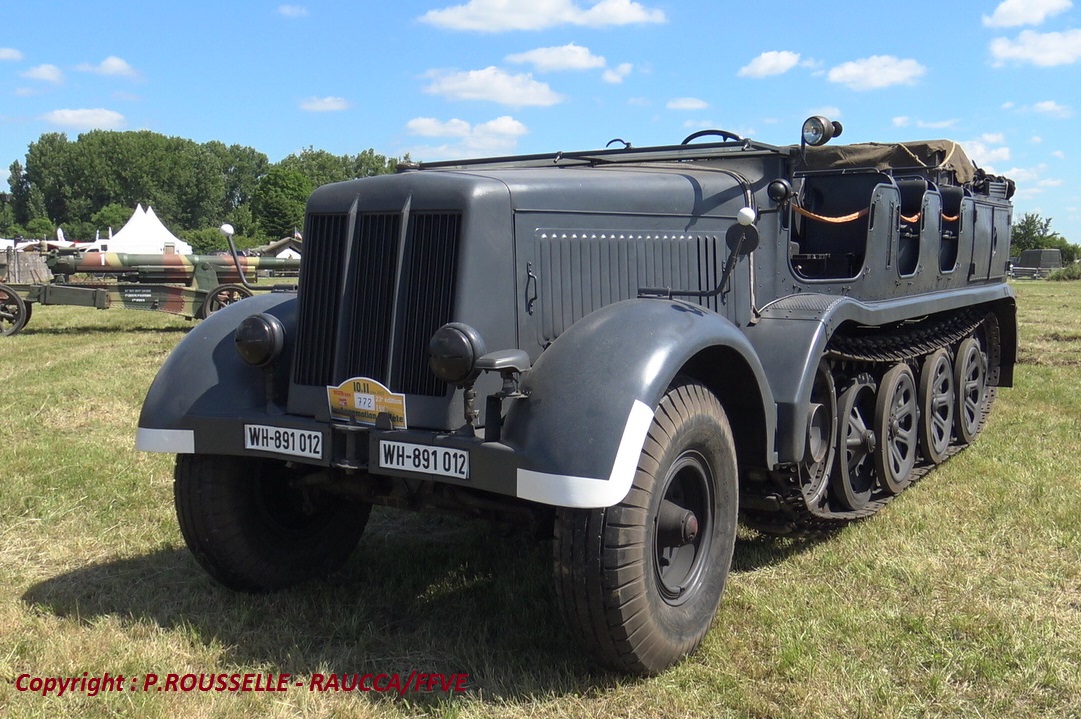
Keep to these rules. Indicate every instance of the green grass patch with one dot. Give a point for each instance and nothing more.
(961, 599)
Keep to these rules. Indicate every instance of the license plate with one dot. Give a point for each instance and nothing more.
(282, 440)
(424, 458)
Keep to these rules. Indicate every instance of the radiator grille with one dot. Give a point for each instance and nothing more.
(352, 322)
(320, 286)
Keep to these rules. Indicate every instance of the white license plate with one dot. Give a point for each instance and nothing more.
(282, 440)
(424, 458)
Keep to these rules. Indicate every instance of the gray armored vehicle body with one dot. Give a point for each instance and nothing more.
(639, 346)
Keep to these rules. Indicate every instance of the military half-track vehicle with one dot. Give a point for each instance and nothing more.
(638, 346)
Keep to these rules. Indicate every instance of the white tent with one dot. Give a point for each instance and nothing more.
(142, 235)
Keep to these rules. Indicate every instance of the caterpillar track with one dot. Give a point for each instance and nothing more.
(777, 502)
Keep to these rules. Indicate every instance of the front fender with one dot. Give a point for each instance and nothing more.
(204, 376)
(591, 396)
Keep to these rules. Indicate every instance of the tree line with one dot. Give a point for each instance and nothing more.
(93, 183)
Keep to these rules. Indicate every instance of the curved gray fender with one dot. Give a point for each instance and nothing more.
(592, 394)
(204, 376)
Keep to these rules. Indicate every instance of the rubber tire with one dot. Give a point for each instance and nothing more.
(253, 536)
(607, 578)
(938, 402)
(895, 452)
(854, 474)
(970, 384)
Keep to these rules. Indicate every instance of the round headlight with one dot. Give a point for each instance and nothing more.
(818, 130)
(259, 339)
(453, 352)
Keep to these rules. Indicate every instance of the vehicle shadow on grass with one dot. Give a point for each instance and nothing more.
(421, 593)
(100, 329)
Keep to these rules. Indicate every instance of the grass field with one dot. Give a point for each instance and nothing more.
(961, 599)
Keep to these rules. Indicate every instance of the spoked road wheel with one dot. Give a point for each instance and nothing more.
(221, 296)
(640, 581)
(254, 530)
(937, 399)
(821, 448)
(14, 311)
(970, 379)
(896, 419)
(854, 471)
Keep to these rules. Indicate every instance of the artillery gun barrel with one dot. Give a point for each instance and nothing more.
(164, 268)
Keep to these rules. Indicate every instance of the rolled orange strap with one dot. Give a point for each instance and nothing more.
(833, 220)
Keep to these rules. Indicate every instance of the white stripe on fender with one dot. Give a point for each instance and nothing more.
(563, 490)
(172, 441)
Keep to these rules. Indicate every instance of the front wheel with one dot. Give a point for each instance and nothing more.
(640, 581)
(254, 528)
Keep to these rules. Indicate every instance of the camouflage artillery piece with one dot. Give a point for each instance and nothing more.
(191, 286)
(631, 346)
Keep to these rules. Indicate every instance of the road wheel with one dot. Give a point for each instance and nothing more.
(821, 446)
(854, 471)
(640, 581)
(221, 296)
(937, 400)
(970, 380)
(253, 529)
(14, 311)
(896, 419)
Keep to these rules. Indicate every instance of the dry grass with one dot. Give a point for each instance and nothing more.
(962, 599)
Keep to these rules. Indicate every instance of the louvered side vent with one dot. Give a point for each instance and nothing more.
(427, 298)
(371, 295)
(582, 272)
(321, 277)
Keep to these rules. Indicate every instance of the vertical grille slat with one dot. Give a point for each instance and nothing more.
(320, 286)
(428, 296)
(340, 339)
(371, 299)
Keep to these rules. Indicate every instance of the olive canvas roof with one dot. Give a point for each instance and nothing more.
(924, 155)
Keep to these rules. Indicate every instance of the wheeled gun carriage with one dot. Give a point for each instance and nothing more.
(634, 346)
(192, 286)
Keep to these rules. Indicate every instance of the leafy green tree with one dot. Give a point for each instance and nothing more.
(113, 215)
(321, 167)
(40, 228)
(20, 191)
(1033, 232)
(279, 201)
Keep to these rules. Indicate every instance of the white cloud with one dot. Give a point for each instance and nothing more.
(687, 103)
(111, 65)
(1059, 154)
(96, 119)
(775, 62)
(1036, 139)
(565, 57)
(902, 121)
(293, 10)
(1052, 108)
(45, 73)
(876, 72)
(493, 85)
(325, 104)
(495, 137)
(431, 127)
(1011, 13)
(1042, 49)
(640, 102)
(618, 74)
(986, 150)
(502, 15)
(10, 53)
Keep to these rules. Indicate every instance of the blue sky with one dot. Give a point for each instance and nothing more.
(454, 78)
